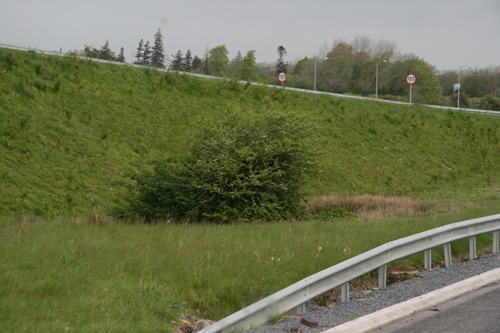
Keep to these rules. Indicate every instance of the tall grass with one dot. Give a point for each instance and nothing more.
(99, 274)
(371, 207)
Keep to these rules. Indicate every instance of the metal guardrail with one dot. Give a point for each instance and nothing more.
(55, 53)
(298, 293)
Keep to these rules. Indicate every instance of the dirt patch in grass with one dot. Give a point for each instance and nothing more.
(372, 207)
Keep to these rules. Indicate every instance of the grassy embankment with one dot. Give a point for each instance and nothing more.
(69, 129)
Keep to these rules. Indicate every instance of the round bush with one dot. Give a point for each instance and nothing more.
(239, 169)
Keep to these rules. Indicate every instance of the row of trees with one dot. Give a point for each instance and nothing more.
(360, 66)
(104, 53)
(148, 55)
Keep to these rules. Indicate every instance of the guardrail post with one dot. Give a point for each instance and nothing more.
(495, 241)
(301, 308)
(382, 277)
(447, 255)
(345, 292)
(428, 259)
(472, 248)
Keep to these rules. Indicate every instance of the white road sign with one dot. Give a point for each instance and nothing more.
(411, 79)
(282, 77)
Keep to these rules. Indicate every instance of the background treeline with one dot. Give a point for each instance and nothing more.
(361, 67)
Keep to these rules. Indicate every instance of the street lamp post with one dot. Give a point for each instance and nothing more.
(315, 67)
(458, 98)
(376, 81)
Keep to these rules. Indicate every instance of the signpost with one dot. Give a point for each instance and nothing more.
(282, 77)
(411, 79)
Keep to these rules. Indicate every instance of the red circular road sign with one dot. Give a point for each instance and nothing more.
(411, 79)
(282, 77)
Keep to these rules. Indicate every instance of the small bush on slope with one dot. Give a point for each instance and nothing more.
(238, 169)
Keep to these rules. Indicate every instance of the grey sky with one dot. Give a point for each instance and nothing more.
(445, 33)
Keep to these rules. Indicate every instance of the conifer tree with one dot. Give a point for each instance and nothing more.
(188, 60)
(239, 56)
(105, 52)
(121, 56)
(280, 65)
(176, 63)
(140, 52)
(146, 58)
(157, 56)
(206, 67)
(197, 62)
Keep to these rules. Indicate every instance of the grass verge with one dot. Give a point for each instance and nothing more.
(96, 273)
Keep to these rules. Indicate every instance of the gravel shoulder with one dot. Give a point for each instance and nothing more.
(362, 304)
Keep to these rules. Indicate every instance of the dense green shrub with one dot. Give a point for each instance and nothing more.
(240, 168)
(489, 102)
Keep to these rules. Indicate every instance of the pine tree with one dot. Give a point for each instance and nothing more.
(140, 52)
(146, 58)
(239, 56)
(121, 56)
(196, 63)
(280, 65)
(157, 57)
(105, 52)
(206, 67)
(188, 60)
(176, 63)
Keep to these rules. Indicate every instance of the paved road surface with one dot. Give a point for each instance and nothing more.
(478, 311)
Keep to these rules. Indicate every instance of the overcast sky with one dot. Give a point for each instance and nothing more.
(445, 33)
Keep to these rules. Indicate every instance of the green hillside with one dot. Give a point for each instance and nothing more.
(71, 130)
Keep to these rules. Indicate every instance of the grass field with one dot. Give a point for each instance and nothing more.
(70, 131)
(99, 274)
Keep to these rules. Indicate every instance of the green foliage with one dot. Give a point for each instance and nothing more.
(218, 60)
(104, 53)
(157, 56)
(71, 128)
(426, 90)
(248, 69)
(176, 63)
(333, 213)
(238, 169)
(489, 102)
(187, 62)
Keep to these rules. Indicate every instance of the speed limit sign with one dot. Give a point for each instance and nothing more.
(411, 79)
(282, 77)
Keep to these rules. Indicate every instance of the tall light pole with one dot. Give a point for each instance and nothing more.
(376, 81)
(458, 98)
(315, 67)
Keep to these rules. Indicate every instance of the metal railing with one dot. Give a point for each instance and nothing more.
(298, 293)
